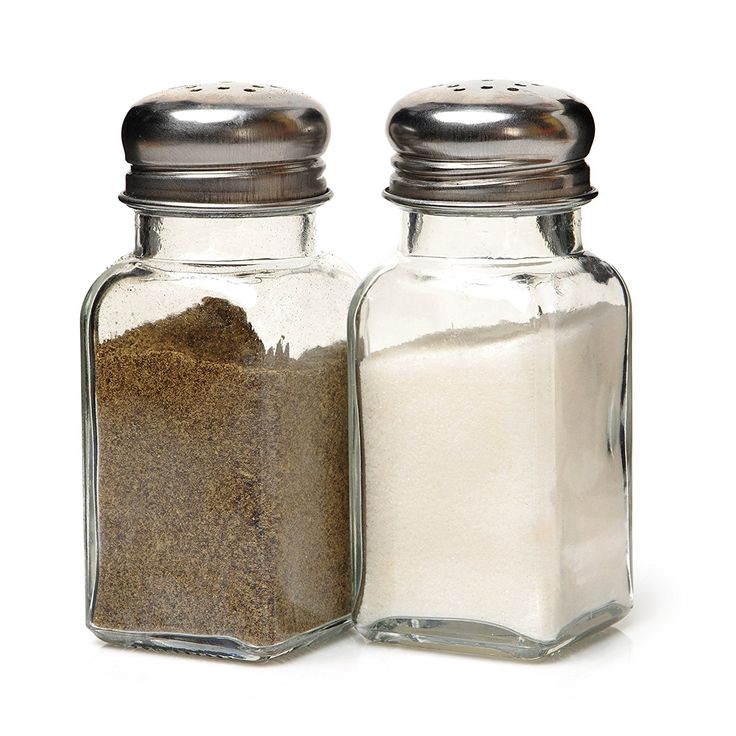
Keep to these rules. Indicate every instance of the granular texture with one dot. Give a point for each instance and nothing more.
(222, 481)
(494, 482)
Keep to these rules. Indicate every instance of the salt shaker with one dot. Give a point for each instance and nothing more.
(215, 385)
(490, 364)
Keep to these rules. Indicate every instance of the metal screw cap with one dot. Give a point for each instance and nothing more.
(490, 146)
(225, 148)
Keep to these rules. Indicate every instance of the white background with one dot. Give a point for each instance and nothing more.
(660, 82)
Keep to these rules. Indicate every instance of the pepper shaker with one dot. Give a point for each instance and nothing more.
(490, 399)
(215, 398)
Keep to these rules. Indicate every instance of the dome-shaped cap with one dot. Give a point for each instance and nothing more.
(490, 145)
(226, 147)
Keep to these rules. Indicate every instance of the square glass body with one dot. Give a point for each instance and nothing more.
(215, 420)
(490, 436)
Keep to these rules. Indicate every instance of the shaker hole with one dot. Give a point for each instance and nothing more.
(459, 89)
(248, 89)
(196, 89)
(453, 85)
(512, 89)
(223, 88)
(519, 84)
(487, 86)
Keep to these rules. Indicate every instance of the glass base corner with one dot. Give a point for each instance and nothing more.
(216, 646)
(477, 637)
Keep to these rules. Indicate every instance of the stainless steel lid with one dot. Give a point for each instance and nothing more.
(225, 148)
(490, 146)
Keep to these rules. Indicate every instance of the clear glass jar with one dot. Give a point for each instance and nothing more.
(490, 437)
(215, 407)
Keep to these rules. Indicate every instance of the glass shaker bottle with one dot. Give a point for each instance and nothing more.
(490, 400)
(215, 385)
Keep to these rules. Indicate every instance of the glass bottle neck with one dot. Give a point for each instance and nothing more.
(224, 239)
(491, 237)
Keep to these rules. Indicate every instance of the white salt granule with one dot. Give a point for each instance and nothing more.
(494, 486)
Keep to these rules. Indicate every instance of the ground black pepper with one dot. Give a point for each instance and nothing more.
(222, 481)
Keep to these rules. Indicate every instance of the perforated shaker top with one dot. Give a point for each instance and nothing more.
(226, 147)
(490, 146)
